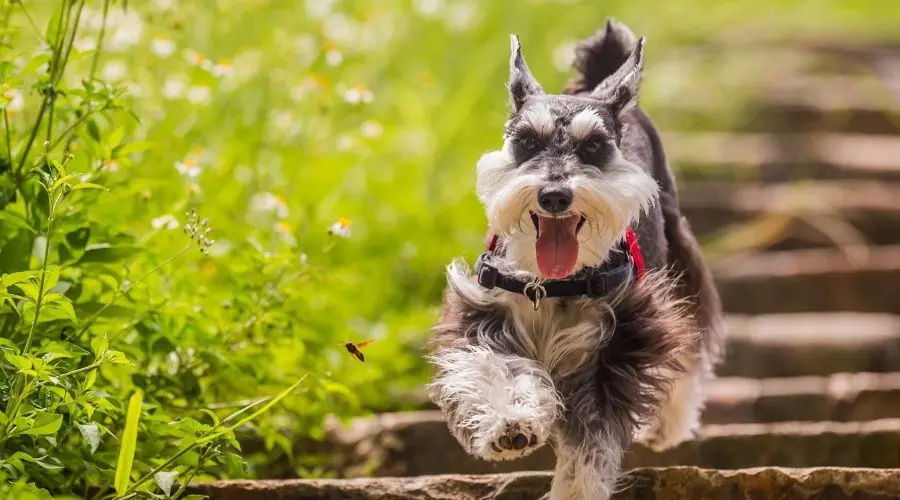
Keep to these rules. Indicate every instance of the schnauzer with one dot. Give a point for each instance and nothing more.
(592, 318)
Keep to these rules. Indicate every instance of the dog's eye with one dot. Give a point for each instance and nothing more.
(593, 147)
(592, 150)
(527, 146)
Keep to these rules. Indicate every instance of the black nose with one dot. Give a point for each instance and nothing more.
(555, 200)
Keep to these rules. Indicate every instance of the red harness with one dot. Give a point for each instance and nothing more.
(631, 242)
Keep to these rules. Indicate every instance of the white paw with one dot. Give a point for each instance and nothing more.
(510, 440)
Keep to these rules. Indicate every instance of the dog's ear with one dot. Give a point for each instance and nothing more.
(521, 83)
(619, 91)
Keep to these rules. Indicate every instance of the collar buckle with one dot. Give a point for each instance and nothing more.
(538, 291)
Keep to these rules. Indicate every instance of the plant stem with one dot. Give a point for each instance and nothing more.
(71, 128)
(30, 20)
(100, 37)
(90, 321)
(165, 464)
(79, 370)
(8, 139)
(57, 67)
(40, 296)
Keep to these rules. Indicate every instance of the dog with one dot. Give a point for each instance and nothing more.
(592, 320)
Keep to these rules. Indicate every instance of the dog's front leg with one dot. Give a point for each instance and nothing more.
(590, 442)
(499, 406)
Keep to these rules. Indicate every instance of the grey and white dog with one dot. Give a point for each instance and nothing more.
(587, 374)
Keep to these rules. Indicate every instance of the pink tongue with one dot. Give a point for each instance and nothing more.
(557, 246)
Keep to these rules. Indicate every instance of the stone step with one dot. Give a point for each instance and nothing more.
(829, 483)
(835, 104)
(790, 104)
(418, 443)
(816, 213)
(803, 344)
(768, 157)
(842, 397)
(819, 280)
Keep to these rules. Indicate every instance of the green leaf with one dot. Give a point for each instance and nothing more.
(12, 278)
(283, 394)
(22, 362)
(8, 345)
(88, 185)
(78, 238)
(91, 434)
(99, 345)
(133, 147)
(115, 357)
(15, 253)
(115, 137)
(93, 130)
(107, 254)
(45, 424)
(129, 442)
(165, 480)
(343, 390)
(89, 380)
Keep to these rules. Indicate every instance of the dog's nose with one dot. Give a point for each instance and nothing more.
(555, 200)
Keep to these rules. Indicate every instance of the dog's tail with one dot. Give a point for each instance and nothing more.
(601, 55)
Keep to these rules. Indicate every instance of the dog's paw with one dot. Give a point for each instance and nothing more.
(511, 440)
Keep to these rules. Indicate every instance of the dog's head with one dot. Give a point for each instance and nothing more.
(560, 190)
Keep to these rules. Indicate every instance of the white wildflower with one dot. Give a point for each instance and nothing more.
(199, 94)
(188, 169)
(85, 44)
(15, 100)
(358, 94)
(167, 221)
(222, 68)
(333, 56)
(268, 202)
(564, 55)
(428, 8)
(341, 228)
(114, 71)
(174, 87)
(128, 28)
(344, 143)
(318, 9)
(162, 47)
(461, 16)
(371, 129)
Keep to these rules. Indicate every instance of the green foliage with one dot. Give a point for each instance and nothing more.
(123, 122)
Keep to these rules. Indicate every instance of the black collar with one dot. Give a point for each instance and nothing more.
(591, 282)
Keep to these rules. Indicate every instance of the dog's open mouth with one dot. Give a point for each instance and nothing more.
(557, 244)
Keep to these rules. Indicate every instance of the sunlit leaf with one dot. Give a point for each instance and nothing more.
(165, 480)
(128, 443)
(107, 254)
(44, 424)
(91, 434)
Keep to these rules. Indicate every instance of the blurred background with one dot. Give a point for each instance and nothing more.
(331, 144)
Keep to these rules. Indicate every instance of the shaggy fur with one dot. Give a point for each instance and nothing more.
(585, 374)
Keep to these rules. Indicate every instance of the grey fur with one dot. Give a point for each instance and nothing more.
(583, 374)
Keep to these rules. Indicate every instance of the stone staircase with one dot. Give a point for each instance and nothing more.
(807, 403)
